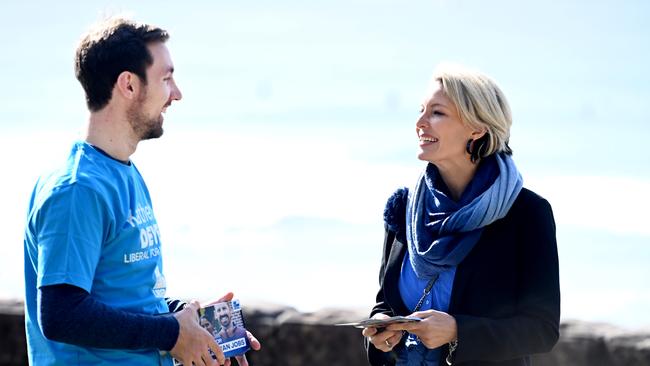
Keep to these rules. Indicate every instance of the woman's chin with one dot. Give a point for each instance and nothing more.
(422, 155)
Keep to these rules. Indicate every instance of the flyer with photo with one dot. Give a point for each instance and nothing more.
(225, 322)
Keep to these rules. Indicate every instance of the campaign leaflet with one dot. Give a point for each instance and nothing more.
(225, 322)
(381, 323)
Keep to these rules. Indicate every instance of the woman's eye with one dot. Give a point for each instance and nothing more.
(421, 109)
(438, 113)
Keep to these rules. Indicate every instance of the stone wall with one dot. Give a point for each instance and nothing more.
(297, 339)
(12, 334)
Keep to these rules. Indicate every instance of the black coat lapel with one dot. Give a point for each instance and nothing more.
(462, 277)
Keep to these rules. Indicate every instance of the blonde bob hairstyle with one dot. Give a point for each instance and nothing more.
(480, 103)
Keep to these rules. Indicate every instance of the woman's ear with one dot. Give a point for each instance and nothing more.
(478, 133)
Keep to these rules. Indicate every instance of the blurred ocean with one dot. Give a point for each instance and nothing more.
(298, 122)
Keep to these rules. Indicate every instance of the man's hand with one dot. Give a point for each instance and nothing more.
(227, 297)
(384, 339)
(435, 329)
(194, 342)
(255, 345)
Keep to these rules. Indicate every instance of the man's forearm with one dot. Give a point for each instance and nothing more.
(69, 314)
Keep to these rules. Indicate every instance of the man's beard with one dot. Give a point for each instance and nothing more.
(144, 127)
(224, 320)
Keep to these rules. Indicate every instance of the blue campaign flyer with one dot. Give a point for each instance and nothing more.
(225, 322)
(229, 328)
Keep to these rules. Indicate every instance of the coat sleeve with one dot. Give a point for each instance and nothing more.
(394, 222)
(535, 326)
(375, 356)
(380, 303)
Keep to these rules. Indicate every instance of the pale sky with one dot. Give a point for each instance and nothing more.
(298, 122)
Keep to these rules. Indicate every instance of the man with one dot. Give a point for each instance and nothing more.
(95, 289)
(229, 330)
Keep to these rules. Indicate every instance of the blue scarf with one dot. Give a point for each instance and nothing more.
(441, 232)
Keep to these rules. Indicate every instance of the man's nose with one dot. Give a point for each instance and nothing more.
(176, 93)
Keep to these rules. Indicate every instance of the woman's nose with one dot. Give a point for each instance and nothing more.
(421, 122)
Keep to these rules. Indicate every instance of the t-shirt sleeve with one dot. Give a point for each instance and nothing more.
(70, 229)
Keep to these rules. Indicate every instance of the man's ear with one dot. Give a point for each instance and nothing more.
(128, 85)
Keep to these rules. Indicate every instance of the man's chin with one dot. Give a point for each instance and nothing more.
(153, 133)
(151, 137)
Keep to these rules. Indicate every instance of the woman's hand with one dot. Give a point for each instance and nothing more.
(383, 339)
(435, 329)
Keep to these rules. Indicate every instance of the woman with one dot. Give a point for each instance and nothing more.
(468, 250)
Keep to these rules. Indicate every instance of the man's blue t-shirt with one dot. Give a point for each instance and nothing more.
(91, 225)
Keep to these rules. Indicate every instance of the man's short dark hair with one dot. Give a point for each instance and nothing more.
(115, 46)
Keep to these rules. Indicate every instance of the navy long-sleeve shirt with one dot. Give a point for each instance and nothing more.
(69, 314)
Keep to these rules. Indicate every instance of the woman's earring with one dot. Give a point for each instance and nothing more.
(470, 142)
(476, 148)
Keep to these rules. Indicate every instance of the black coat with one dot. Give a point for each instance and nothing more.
(506, 292)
